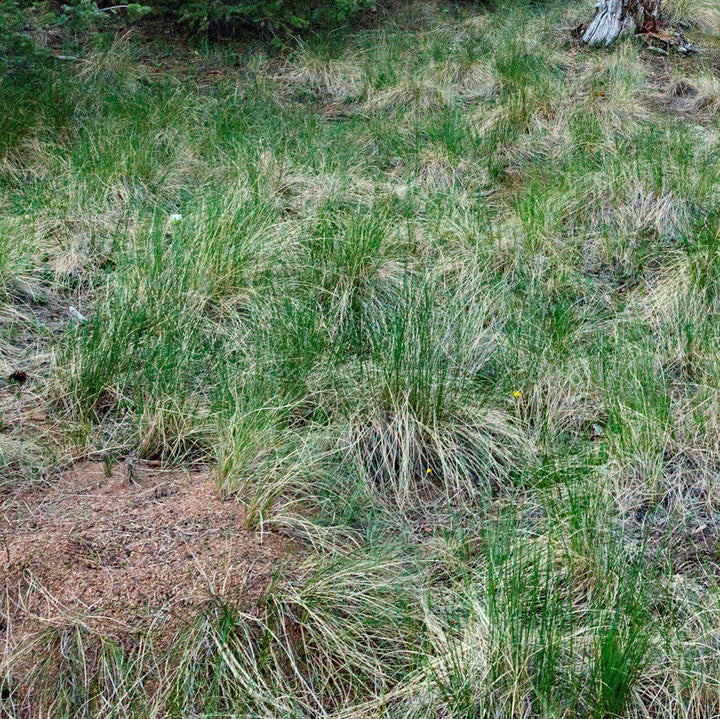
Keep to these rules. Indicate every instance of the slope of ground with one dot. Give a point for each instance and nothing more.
(438, 299)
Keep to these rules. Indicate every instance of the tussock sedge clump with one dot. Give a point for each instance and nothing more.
(440, 301)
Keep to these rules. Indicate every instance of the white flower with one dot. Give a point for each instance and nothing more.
(79, 316)
(175, 218)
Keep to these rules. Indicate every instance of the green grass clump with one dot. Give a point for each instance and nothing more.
(440, 301)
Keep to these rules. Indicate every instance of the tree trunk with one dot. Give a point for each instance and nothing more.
(619, 18)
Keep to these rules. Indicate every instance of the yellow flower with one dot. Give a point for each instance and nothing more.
(516, 394)
(429, 471)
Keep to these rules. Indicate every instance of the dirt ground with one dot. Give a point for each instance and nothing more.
(121, 551)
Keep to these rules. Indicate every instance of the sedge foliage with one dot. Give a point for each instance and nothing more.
(440, 302)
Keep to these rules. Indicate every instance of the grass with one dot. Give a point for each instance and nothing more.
(440, 300)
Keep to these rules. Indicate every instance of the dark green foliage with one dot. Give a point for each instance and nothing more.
(27, 31)
(22, 24)
(276, 16)
(13, 42)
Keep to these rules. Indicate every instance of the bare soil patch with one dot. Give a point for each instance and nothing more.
(123, 551)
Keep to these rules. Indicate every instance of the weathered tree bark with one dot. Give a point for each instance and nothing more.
(619, 18)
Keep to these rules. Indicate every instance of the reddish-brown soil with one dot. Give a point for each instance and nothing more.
(120, 552)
